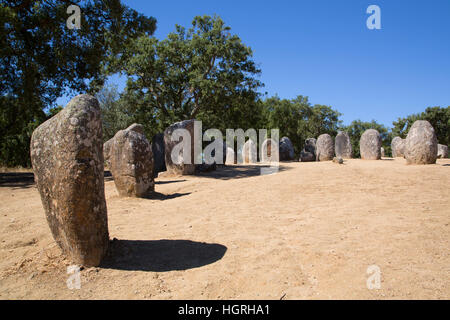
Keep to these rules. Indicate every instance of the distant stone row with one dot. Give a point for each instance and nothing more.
(419, 147)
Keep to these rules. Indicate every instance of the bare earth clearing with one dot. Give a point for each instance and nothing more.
(308, 232)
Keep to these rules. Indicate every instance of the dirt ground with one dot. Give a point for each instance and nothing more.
(309, 231)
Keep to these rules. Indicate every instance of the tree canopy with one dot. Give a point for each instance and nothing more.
(299, 120)
(41, 59)
(203, 72)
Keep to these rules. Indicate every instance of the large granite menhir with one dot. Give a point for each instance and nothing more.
(324, 148)
(370, 145)
(343, 146)
(398, 147)
(180, 167)
(67, 159)
(286, 150)
(308, 154)
(442, 151)
(421, 146)
(131, 162)
(159, 162)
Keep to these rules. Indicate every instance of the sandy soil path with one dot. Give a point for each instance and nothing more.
(307, 232)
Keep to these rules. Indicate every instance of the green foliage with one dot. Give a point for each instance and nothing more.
(41, 60)
(357, 128)
(298, 120)
(204, 72)
(438, 117)
(115, 116)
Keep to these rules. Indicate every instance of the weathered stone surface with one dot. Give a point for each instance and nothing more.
(68, 164)
(306, 156)
(442, 151)
(132, 162)
(186, 164)
(370, 145)
(324, 148)
(286, 151)
(250, 152)
(270, 151)
(382, 152)
(421, 145)
(343, 146)
(398, 147)
(310, 145)
(106, 152)
(159, 162)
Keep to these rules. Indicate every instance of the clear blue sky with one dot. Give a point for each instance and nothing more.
(323, 50)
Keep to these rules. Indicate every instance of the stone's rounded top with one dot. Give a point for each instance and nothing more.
(324, 136)
(371, 132)
(396, 139)
(421, 123)
(83, 100)
(136, 127)
(286, 140)
(178, 125)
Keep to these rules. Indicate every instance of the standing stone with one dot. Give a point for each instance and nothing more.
(159, 163)
(308, 154)
(442, 151)
(132, 162)
(398, 147)
(68, 164)
(249, 152)
(286, 150)
(186, 164)
(370, 145)
(343, 146)
(270, 151)
(324, 148)
(382, 152)
(310, 145)
(106, 152)
(421, 144)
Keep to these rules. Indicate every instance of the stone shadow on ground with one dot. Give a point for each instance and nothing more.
(238, 171)
(172, 181)
(161, 196)
(16, 180)
(161, 255)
